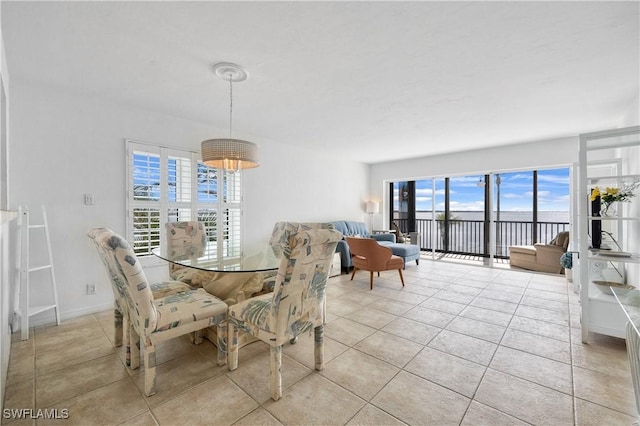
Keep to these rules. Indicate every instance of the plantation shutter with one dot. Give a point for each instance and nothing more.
(170, 185)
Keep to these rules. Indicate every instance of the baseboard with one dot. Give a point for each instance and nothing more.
(49, 318)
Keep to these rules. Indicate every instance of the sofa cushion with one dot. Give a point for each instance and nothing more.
(351, 228)
(530, 250)
(348, 228)
(402, 250)
(562, 240)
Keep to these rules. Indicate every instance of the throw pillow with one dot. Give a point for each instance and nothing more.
(399, 236)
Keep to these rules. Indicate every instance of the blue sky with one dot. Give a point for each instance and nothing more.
(516, 192)
(146, 175)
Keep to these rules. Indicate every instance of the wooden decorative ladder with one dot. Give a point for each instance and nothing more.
(23, 310)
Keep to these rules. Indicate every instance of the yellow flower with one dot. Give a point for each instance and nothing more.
(595, 193)
(612, 191)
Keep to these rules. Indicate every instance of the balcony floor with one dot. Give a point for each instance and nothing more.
(467, 259)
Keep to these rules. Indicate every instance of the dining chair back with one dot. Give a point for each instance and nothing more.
(184, 240)
(120, 320)
(294, 307)
(279, 242)
(187, 240)
(281, 232)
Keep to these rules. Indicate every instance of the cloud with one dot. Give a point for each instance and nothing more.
(509, 177)
(516, 191)
(466, 181)
(554, 179)
(464, 206)
(512, 195)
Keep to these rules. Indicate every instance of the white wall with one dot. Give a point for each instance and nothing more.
(65, 145)
(6, 272)
(557, 152)
(298, 185)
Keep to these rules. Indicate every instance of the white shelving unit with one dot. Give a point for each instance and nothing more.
(609, 158)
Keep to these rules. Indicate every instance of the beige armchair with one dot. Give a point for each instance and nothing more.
(541, 257)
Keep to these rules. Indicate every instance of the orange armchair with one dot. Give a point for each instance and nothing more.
(368, 255)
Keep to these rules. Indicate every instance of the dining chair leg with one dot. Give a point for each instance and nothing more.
(221, 344)
(275, 372)
(117, 328)
(149, 370)
(318, 346)
(353, 274)
(197, 337)
(324, 310)
(232, 346)
(134, 344)
(401, 277)
(370, 280)
(127, 340)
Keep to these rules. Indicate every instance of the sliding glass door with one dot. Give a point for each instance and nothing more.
(479, 216)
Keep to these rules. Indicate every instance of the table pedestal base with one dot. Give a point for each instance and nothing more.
(211, 335)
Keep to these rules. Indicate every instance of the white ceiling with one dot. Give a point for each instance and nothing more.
(372, 81)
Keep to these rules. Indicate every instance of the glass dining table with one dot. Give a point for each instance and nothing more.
(214, 259)
(232, 276)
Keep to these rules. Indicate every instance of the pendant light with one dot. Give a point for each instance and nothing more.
(230, 154)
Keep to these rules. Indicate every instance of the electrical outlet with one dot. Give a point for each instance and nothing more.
(89, 199)
(91, 288)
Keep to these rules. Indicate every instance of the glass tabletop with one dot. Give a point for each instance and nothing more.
(629, 300)
(211, 259)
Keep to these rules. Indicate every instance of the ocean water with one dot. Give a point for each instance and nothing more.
(506, 216)
(515, 229)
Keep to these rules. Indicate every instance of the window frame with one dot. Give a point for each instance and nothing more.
(228, 202)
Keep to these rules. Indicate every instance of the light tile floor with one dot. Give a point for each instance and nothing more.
(460, 345)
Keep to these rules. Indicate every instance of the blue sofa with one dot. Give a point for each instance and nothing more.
(349, 228)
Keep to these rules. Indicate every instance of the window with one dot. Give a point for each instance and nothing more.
(170, 185)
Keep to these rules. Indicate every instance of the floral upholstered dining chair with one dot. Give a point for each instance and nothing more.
(279, 242)
(158, 289)
(152, 321)
(294, 307)
(186, 240)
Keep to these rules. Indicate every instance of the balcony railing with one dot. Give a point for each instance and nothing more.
(468, 236)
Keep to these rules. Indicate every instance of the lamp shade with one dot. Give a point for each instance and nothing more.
(229, 154)
(372, 207)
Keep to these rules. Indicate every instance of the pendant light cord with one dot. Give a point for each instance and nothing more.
(230, 103)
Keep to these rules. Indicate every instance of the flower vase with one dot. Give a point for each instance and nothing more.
(608, 210)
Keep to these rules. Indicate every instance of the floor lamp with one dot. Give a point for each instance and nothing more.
(371, 208)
